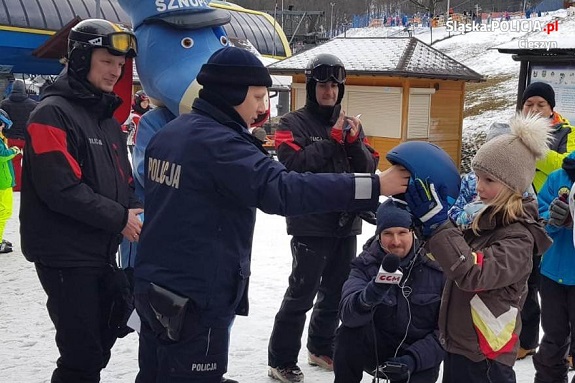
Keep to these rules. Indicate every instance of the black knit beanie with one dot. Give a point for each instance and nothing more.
(230, 71)
(540, 89)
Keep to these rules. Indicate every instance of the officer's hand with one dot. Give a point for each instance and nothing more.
(393, 181)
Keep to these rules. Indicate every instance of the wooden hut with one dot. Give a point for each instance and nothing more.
(404, 89)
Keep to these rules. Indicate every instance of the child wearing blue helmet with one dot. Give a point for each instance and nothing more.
(487, 265)
(6, 179)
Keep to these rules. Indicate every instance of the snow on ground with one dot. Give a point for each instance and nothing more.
(28, 352)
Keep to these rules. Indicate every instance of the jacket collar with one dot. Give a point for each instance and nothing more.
(206, 108)
(80, 92)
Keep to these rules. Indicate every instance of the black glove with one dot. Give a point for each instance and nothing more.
(373, 293)
(397, 369)
(559, 213)
(428, 205)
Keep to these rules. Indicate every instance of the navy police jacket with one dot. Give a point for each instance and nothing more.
(205, 177)
(423, 282)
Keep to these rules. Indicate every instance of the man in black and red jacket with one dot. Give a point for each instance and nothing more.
(77, 200)
(323, 245)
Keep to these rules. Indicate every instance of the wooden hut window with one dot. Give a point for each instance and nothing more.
(380, 107)
(419, 113)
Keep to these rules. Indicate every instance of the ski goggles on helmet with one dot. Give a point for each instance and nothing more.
(122, 42)
(325, 73)
(118, 43)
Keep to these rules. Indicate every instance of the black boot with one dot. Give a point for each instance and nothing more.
(226, 380)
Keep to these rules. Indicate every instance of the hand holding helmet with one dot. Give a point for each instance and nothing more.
(393, 181)
(435, 185)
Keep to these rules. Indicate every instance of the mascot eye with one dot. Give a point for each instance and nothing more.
(224, 40)
(187, 42)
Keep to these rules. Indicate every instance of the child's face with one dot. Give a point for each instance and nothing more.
(1, 126)
(487, 187)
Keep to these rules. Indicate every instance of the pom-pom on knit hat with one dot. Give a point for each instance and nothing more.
(229, 73)
(510, 158)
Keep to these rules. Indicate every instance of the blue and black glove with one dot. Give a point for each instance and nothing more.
(427, 204)
(397, 369)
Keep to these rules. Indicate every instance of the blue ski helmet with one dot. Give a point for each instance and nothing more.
(428, 161)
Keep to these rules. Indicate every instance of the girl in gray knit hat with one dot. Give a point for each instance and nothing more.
(487, 265)
(467, 204)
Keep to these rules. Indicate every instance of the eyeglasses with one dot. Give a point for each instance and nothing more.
(325, 73)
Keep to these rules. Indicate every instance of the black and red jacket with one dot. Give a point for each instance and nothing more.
(304, 144)
(76, 182)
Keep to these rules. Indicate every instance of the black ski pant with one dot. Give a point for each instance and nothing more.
(355, 353)
(79, 304)
(320, 267)
(531, 311)
(459, 369)
(557, 314)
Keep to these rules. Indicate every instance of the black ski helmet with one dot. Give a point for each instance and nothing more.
(429, 162)
(97, 33)
(323, 68)
(5, 118)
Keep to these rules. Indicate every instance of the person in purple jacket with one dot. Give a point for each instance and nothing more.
(205, 176)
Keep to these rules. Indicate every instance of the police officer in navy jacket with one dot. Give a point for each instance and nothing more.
(205, 177)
